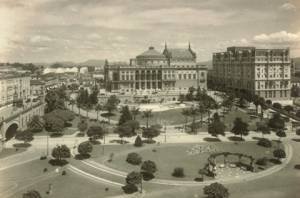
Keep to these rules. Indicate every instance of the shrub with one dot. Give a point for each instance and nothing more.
(138, 141)
(264, 142)
(43, 157)
(216, 190)
(32, 194)
(279, 153)
(149, 166)
(298, 132)
(262, 161)
(134, 159)
(130, 188)
(198, 179)
(147, 176)
(277, 105)
(178, 172)
(63, 172)
(45, 170)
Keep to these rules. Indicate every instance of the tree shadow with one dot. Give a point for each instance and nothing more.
(211, 139)
(297, 166)
(275, 161)
(257, 138)
(56, 162)
(296, 140)
(119, 141)
(148, 141)
(21, 145)
(236, 139)
(82, 156)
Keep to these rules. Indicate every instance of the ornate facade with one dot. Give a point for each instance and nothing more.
(263, 72)
(171, 72)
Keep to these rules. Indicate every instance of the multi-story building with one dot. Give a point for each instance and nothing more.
(171, 72)
(263, 72)
(14, 86)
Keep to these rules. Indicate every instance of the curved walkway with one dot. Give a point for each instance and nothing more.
(251, 176)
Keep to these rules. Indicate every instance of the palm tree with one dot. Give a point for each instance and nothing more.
(72, 103)
(135, 111)
(194, 112)
(98, 108)
(186, 113)
(201, 109)
(147, 114)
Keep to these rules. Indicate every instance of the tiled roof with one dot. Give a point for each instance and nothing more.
(151, 53)
(180, 53)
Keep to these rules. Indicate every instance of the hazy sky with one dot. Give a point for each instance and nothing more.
(77, 30)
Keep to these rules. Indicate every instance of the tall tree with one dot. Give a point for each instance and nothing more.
(111, 105)
(147, 114)
(240, 127)
(186, 113)
(134, 112)
(82, 125)
(277, 122)
(98, 108)
(125, 115)
(202, 110)
(216, 127)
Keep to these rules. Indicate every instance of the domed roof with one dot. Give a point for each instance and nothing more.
(151, 53)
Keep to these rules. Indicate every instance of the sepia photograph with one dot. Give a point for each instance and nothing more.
(149, 98)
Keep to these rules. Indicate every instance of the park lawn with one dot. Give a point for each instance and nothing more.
(70, 185)
(171, 117)
(234, 113)
(169, 156)
(6, 152)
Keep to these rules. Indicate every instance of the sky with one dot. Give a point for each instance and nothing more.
(117, 30)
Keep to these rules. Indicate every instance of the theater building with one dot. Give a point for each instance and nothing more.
(165, 74)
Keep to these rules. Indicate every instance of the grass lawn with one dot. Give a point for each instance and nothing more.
(234, 113)
(172, 117)
(166, 159)
(6, 152)
(30, 176)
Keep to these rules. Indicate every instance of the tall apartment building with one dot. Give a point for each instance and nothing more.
(173, 70)
(263, 72)
(14, 86)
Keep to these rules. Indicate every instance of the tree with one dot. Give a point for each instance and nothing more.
(150, 132)
(216, 127)
(32, 194)
(147, 114)
(134, 112)
(277, 105)
(111, 105)
(263, 128)
(125, 115)
(279, 154)
(133, 178)
(201, 109)
(72, 103)
(85, 148)
(190, 94)
(53, 101)
(280, 134)
(269, 102)
(277, 122)
(134, 159)
(216, 190)
(124, 131)
(240, 127)
(82, 125)
(26, 136)
(256, 103)
(149, 166)
(61, 151)
(138, 141)
(133, 124)
(93, 97)
(186, 114)
(96, 132)
(98, 108)
(53, 123)
(288, 108)
(178, 172)
(35, 124)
